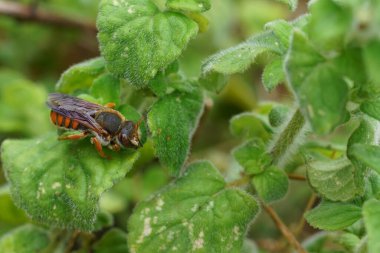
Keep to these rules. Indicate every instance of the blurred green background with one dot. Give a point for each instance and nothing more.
(33, 55)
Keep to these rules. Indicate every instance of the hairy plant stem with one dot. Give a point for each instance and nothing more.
(284, 229)
(287, 137)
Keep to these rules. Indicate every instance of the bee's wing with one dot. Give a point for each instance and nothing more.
(76, 109)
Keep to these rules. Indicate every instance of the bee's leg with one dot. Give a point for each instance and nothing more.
(73, 136)
(110, 105)
(98, 147)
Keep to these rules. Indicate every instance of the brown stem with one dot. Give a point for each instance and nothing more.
(309, 205)
(284, 229)
(72, 240)
(32, 14)
(239, 182)
(296, 177)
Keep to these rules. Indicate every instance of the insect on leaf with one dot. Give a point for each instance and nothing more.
(59, 182)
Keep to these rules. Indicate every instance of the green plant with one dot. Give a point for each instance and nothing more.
(328, 59)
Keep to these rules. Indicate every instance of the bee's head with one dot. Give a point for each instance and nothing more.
(129, 135)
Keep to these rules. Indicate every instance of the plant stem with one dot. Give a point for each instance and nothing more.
(296, 177)
(239, 182)
(32, 14)
(287, 137)
(284, 229)
(309, 205)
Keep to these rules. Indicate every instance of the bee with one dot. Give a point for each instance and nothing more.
(107, 126)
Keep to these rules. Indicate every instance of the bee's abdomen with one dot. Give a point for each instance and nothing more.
(62, 121)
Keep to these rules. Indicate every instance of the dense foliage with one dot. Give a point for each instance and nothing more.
(225, 155)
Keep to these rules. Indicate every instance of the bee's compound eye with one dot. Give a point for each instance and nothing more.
(127, 128)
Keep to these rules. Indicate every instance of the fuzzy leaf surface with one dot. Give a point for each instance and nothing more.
(25, 239)
(237, 59)
(273, 74)
(329, 24)
(59, 182)
(137, 39)
(333, 179)
(333, 215)
(252, 157)
(368, 155)
(189, 5)
(371, 210)
(22, 106)
(249, 125)
(271, 185)
(172, 121)
(321, 91)
(371, 108)
(81, 76)
(196, 213)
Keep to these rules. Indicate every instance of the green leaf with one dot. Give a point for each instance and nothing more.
(278, 115)
(81, 76)
(349, 241)
(137, 39)
(10, 214)
(59, 182)
(213, 82)
(333, 215)
(372, 62)
(106, 88)
(330, 23)
(22, 106)
(237, 59)
(252, 157)
(371, 108)
(291, 3)
(271, 185)
(333, 179)
(364, 134)
(25, 239)
(103, 220)
(371, 210)
(368, 155)
(321, 91)
(189, 5)
(283, 31)
(249, 125)
(195, 213)
(115, 241)
(172, 121)
(273, 74)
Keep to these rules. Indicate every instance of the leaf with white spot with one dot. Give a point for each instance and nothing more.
(59, 182)
(334, 180)
(196, 213)
(25, 239)
(137, 39)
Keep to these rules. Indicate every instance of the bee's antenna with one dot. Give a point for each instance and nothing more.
(143, 117)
